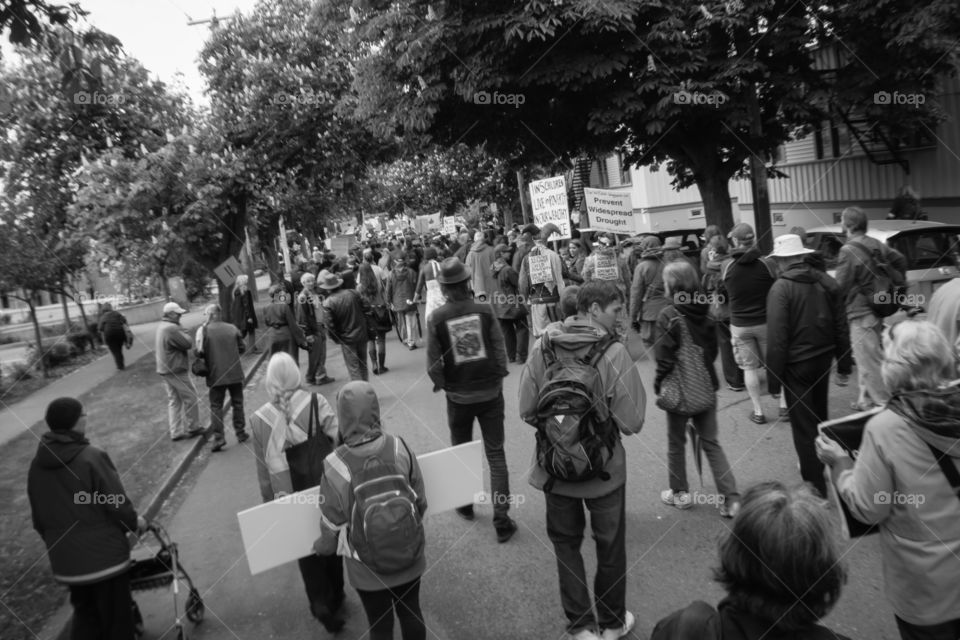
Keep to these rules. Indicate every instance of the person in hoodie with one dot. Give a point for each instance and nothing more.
(781, 566)
(479, 260)
(898, 484)
(682, 289)
(401, 290)
(599, 305)
(806, 329)
(508, 306)
(646, 289)
(362, 435)
(82, 512)
(171, 348)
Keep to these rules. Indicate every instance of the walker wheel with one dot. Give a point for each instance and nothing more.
(195, 606)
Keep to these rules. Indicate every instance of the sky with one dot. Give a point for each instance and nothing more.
(156, 33)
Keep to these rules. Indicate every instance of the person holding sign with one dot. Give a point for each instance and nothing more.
(541, 279)
(906, 480)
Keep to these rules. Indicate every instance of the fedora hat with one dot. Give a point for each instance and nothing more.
(789, 245)
(452, 271)
(328, 280)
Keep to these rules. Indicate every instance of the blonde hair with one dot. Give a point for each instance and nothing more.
(281, 381)
(917, 356)
(242, 280)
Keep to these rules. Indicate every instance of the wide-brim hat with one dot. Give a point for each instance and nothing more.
(788, 246)
(452, 271)
(328, 280)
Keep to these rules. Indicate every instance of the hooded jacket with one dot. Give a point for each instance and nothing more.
(171, 346)
(623, 390)
(897, 484)
(854, 272)
(361, 431)
(80, 509)
(505, 297)
(805, 319)
(646, 291)
(479, 260)
(669, 337)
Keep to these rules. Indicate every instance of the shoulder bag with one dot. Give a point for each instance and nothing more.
(306, 459)
(688, 389)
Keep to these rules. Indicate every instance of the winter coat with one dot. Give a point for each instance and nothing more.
(222, 346)
(621, 383)
(171, 347)
(279, 317)
(112, 323)
(574, 268)
(401, 286)
(361, 431)
(919, 520)
(853, 271)
(805, 319)
(80, 509)
(669, 338)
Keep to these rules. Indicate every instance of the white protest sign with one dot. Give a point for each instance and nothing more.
(284, 530)
(610, 211)
(548, 199)
(228, 271)
(449, 225)
(605, 267)
(540, 269)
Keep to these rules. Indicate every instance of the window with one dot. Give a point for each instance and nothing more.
(777, 217)
(602, 171)
(928, 250)
(696, 213)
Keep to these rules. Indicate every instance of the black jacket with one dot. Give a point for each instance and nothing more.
(746, 278)
(668, 338)
(80, 509)
(243, 313)
(346, 313)
(700, 621)
(805, 319)
(465, 350)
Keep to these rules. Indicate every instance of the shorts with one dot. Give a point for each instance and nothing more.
(749, 346)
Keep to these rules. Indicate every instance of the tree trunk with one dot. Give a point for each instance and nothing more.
(524, 202)
(66, 310)
(715, 193)
(37, 335)
(94, 338)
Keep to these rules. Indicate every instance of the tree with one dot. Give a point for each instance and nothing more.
(697, 88)
(29, 20)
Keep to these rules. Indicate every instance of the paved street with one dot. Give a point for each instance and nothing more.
(475, 588)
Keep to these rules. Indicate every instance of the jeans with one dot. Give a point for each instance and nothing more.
(378, 345)
(565, 525)
(115, 342)
(317, 357)
(943, 631)
(865, 335)
(490, 416)
(355, 358)
(323, 582)
(731, 372)
(706, 426)
(102, 610)
(183, 405)
(807, 387)
(408, 328)
(217, 394)
(405, 601)
(516, 336)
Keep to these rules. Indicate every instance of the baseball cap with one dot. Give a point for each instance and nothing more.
(742, 232)
(173, 307)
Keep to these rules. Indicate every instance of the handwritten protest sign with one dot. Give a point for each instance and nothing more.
(540, 269)
(548, 199)
(449, 225)
(606, 268)
(609, 211)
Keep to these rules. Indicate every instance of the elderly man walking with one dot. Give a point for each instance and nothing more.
(221, 344)
(312, 321)
(172, 347)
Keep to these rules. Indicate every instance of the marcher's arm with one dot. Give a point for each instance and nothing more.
(637, 288)
(665, 346)
(259, 457)
(628, 398)
(530, 378)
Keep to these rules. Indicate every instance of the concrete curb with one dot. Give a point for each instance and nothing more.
(58, 626)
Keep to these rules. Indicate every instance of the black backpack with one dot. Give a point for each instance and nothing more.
(576, 434)
(885, 287)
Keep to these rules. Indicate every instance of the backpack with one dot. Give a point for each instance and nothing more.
(885, 287)
(576, 435)
(386, 529)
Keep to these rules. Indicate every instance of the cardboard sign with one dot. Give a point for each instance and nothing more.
(606, 268)
(848, 433)
(548, 199)
(540, 269)
(449, 225)
(228, 271)
(284, 530)
(609, 211)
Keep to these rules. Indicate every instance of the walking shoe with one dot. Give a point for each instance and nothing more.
(384, 369)
(242, 437)
(218, 444)
(324, 380)
(506, 532)
(411, 346)
(736, 387)
(758, 418)
(179, 437)
(196, 433)
(619, 632)
(465, 512)
(583, 634)
(679, 499)
(731, 510)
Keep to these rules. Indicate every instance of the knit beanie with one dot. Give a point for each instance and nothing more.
(63, 414)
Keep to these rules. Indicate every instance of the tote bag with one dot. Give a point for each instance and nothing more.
(306, 459)
(687, 390)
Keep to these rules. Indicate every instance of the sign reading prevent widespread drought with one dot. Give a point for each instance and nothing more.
(610, 211)
(548, 199)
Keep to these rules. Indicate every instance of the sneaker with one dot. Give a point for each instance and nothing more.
(730, 510)
(218, 444)
(758, 418)
(324, 380)
(242, 437)
(736, 387)
(680, 499)
(384, 369)
(411, 346)
(505, 533)
(583, 634)
(613, 634)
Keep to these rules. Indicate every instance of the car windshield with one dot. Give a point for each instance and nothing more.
(928, 249)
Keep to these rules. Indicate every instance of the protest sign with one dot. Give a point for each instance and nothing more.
(281, 531)
(609, 211)
(449, 225)
(606, 268)
(228, 271)
(548, 199)
(540, 269)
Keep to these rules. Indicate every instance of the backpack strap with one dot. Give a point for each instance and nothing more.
(546, 349)
(596, 352)
(949, 469)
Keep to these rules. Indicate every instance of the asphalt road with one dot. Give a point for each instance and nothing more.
(475, 588)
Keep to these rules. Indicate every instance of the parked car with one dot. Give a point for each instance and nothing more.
(932, 250)
(690, 239)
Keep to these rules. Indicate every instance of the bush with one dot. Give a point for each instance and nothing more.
(79, 340)
(20, 371)
(55, 354)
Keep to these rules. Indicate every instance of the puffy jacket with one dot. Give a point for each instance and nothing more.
(80, 509)
(347, 315)
(853, 271)
(805, 319)
(669, 337)
(171, 347)
(623, 390)
(746, 277)
(919, 518)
